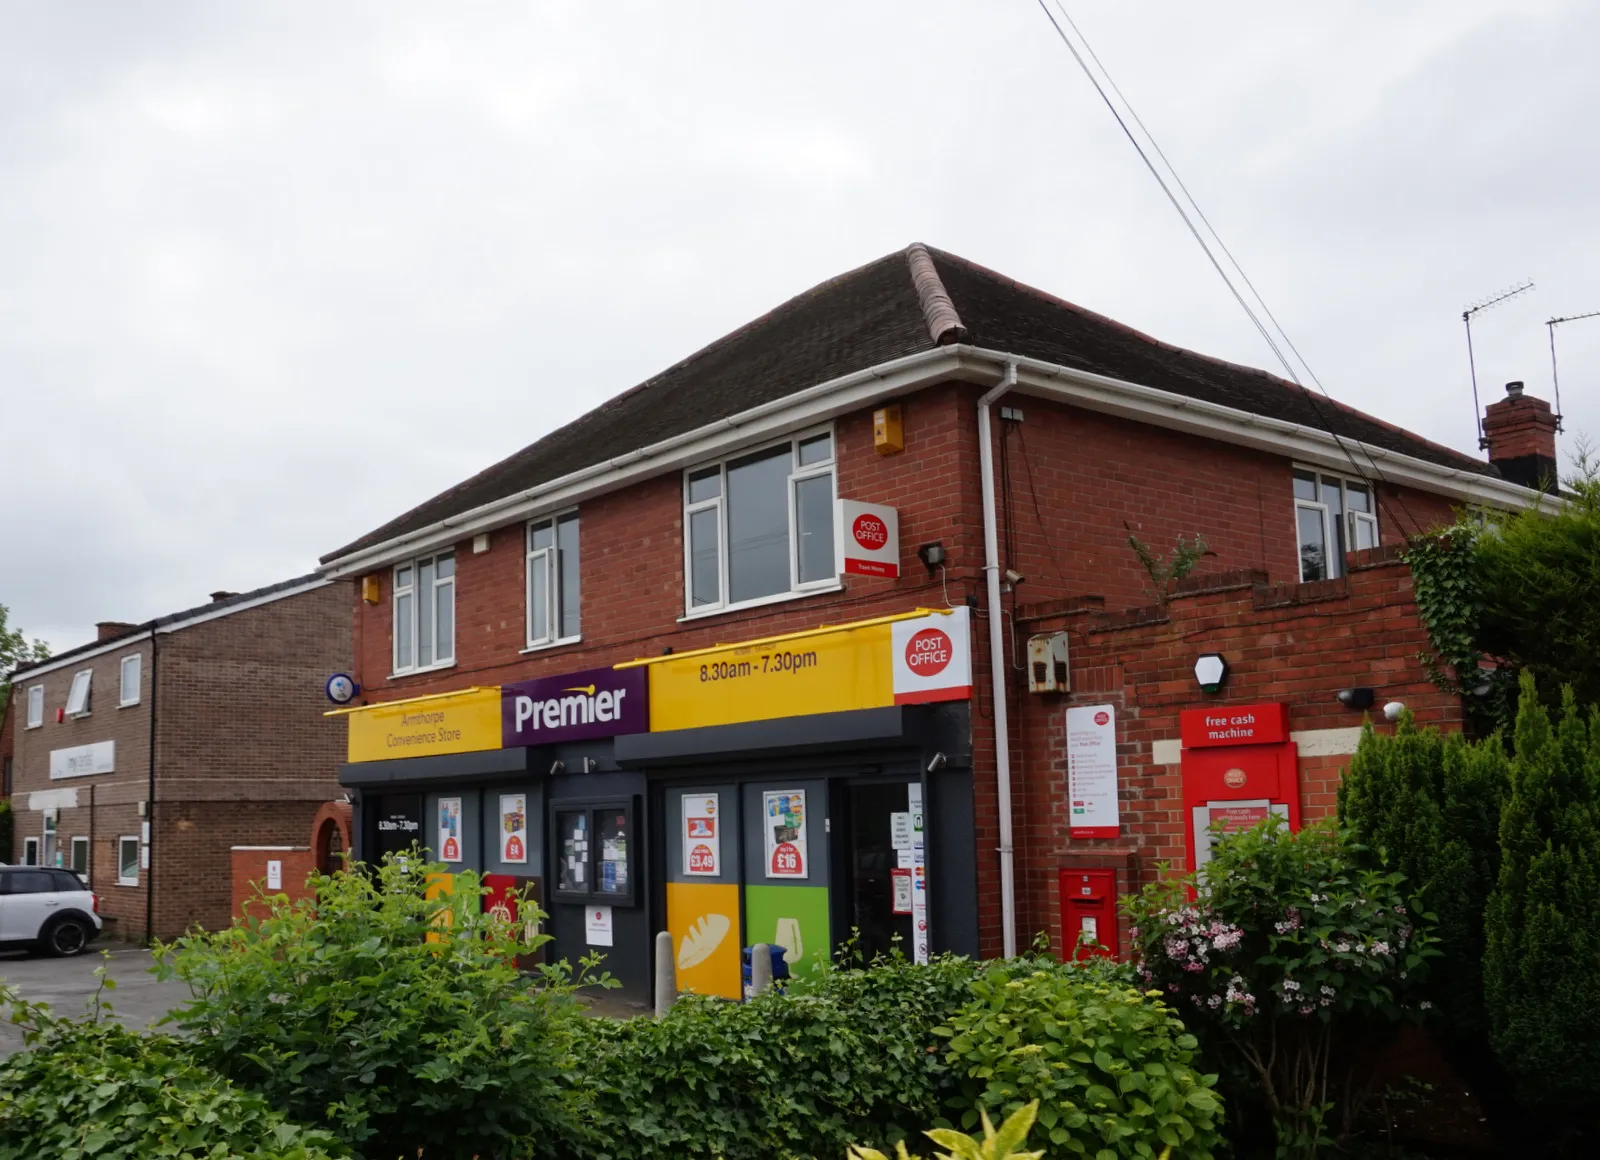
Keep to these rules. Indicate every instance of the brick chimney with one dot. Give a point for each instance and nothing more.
(222, 594)
(107, 629)
(1520, 432)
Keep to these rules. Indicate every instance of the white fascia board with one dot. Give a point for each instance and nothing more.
(714, 440)
(126, 643)
(1291, 440)
(899, 376)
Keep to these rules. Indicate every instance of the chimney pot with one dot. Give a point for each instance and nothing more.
(1514, 389)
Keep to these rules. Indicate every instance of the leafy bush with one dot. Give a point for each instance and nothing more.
(1111, 1068)
(1287, 958)
(397, 1019)
(92, 1088)
(1001, 1145)
(1542, 965)
(849, 1055)
(1430, 806)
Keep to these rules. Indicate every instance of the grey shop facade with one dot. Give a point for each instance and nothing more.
(685, 793)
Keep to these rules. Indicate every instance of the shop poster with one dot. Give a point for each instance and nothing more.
(598, 927)
(702, 842)
(449, 829)
(919, 877)
(783, 827)
(1092, 771)
(794, 918)
(703, 919)
(514, 827)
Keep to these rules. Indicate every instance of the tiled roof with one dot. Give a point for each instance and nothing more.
(906, 302)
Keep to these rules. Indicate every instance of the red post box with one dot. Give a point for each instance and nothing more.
(1089, 907)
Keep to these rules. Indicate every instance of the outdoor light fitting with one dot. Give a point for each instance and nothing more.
(1210, 671)
(931, 555)
(1360, 697)
(1393, 710)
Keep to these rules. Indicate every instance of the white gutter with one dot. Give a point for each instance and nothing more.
(997, 664)
(974, 364)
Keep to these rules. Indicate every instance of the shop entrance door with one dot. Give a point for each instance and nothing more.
(883, 866)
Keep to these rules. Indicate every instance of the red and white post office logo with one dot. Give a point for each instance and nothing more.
(928, 652)
(870, 532)
(1234, 779)
(1102, 718)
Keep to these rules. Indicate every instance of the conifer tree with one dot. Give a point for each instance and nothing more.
(1542, 964)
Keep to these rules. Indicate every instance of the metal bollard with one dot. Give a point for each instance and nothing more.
(760, 968)
(666, 975)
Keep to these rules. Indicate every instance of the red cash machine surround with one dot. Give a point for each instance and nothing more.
(1238, 765)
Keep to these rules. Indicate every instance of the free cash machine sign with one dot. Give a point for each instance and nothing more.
(906, 659)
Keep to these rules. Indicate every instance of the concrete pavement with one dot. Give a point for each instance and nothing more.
(69, 984)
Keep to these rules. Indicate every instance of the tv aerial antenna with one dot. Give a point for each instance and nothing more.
(1472, 366)
(1555, 379)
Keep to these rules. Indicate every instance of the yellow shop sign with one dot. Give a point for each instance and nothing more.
(924, 655)
(461, 722)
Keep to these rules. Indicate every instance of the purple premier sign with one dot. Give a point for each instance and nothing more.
(574, 707)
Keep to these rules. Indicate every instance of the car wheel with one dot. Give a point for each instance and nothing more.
(66, 936)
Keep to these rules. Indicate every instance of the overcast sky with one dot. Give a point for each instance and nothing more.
(272, 273)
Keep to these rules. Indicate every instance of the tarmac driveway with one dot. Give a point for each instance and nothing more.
(68, 985)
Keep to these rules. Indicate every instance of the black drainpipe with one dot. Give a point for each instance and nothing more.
(150, 791)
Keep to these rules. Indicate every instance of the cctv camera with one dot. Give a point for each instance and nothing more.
(1393, 709)
(936, 762)
(1014, 578)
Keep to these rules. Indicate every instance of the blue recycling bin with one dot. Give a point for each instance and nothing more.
(780, 969)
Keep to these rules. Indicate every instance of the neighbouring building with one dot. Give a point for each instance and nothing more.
(142, 758)
(836, 628)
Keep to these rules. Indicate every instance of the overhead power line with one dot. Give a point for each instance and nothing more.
(1371, 472)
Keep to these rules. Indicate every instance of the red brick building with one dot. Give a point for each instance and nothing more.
(709, 506)
(143, 757)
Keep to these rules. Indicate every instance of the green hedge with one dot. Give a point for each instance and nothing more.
(95, 1089)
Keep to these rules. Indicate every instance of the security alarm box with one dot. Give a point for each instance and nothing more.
(1047, 663)
(888, 436)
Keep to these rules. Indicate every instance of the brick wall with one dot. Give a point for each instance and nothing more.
(249, 878)
(1296, 643)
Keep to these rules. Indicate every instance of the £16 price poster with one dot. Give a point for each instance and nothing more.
(702, 842)
(783, 824)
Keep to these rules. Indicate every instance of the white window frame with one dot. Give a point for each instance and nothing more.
(52, 844)
(79, 839)
(417, 602)
(548, 559)
(124, 700)
(797, 475)
(35, 706)
(122, 844)
(1350, 519)
(83, 710)
(30, 851)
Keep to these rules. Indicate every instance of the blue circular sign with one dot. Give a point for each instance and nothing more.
(341, 688)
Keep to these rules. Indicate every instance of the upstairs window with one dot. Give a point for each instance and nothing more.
(425, 613)
(35, 706)
(759, 527)
(553, 580)
(78, 697)
(130, 681)
(1332, 516)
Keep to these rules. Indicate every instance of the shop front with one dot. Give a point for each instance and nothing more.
(804, 791)
(813, 790)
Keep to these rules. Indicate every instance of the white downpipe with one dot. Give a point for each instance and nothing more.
(997, 664)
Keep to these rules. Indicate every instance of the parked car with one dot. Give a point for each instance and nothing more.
(46, 909)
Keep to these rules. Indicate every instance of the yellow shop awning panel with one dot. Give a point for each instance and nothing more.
(459, 722)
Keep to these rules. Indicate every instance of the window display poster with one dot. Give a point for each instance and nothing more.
(613, 868)
(514, 827)
(920, 946)
(702, 844)
(1092, 771)
(783, 825)
(900, 880)
(597, 926)
(450, 829)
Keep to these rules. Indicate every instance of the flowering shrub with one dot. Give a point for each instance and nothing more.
(1285, 956)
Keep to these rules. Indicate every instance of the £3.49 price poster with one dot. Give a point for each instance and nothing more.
(1092, 771)
(783, 824)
